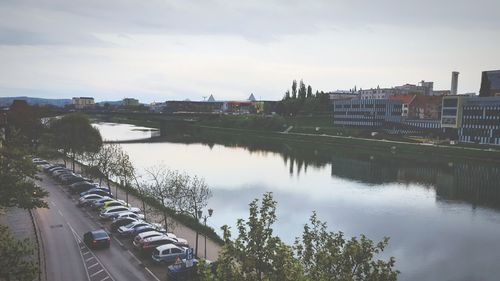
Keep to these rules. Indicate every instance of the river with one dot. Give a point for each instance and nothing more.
(443, 219)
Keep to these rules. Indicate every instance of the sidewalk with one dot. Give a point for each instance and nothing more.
(153, 215)
(21, 225)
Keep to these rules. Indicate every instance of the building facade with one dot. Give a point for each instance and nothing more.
(490, 84)
(83, 102)
(480, 120)
(130, 102)
(451, 111)
(366, 113)
(425, 107)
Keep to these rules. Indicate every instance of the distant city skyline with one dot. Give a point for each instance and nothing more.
(174, 50)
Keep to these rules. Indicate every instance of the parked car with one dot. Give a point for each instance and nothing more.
(168, 253)
(38, 161)
(114, 203)
(120, 222)
(147, 245)
(98, 203)
(54, 166)
(75, 179)
(97, 190)
(127, 230)
(128, 215)
(89, 198)
(81, 187)
(97, 239)
(146, 228)
(141, 236)
(109, 212)
(58, 172)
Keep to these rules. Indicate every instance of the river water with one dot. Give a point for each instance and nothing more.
(443, 219)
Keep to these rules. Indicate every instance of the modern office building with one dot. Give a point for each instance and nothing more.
(366, 113)
(480, 120)
(490, 84)
(451, 112)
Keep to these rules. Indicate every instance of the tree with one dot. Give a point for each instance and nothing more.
(106, 162)
(309, 92)
(17, 174)
(294, 89)
(302, 90)
(123, 169)
(74, 134)
(24, 122)
(160, 187)
(287, 95)
(256, 254)
(16, 262)
(327, 255)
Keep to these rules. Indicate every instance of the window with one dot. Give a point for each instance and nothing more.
(165, 252)
(450, 102)
(176, 251)
(449, 112)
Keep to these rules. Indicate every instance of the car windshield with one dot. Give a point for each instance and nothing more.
(130, 224)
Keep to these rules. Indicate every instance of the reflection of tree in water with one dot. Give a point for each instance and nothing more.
(470, 182)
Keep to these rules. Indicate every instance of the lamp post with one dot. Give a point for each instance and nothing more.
(205, 217)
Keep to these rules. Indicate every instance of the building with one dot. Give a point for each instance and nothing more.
(343, 95)
(239, 107)
(490, 84)
(83, 102)
(454, 82)
(451, 111)
(193, 107)
(378, 93)
(405, 100)
(425, 107)
(480, 120)
(366, 112)
(130, 102)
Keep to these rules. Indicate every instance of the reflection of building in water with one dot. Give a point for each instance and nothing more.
(478, 185)
(471, 183)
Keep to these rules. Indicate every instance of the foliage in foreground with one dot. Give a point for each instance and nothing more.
(319, 255)
(16, 261)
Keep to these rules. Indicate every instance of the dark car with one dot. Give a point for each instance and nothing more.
(74, 179)
(97, 239)
(98, 191)
(51, 167)
(81, 186)
(120, 222)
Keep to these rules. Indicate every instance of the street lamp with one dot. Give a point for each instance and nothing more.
(205, 217)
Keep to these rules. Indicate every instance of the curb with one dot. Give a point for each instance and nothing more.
(42, 270)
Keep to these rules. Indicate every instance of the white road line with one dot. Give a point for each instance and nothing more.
(87, 252)
(53, 204)
(119, 242)
(89, 259)
(107, 277)
(94, 274)
(60, 213)
(138, 260)
(95, 264)
(152, 274)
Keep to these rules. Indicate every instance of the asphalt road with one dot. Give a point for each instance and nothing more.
(62, 227)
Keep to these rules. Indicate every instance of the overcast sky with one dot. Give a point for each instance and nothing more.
(158, 50)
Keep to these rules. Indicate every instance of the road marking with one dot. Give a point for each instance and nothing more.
(107, 277)
(53, 204)
(60, 213)
(95, 264)
(94, 274)
(152, 274)
(132, 254)
(87, 252)
(89, 259)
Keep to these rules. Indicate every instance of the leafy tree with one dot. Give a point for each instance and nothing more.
(287, 95)
(74, 134)
(16, 262)
(123, 168)
(302, 90)
(256, 254)
(294, 89)
(309, 92)
(327, 255)
(17, 174)
(24, 122)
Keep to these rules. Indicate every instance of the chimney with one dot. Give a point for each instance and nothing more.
(454, 82)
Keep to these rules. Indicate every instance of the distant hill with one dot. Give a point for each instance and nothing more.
(7, 101)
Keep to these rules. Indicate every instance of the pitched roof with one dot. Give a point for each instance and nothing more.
(403, 98)
(211, 98)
